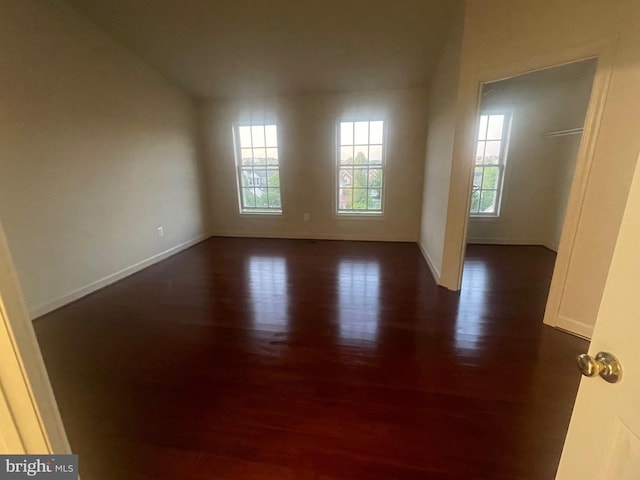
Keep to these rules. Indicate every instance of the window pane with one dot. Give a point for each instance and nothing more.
(360, 177)
(259, 175)
(271, 133)
(246, 155)
(272, 156)
(490, 162)
(345, 200)
(259, 156)
(496, 122)
(492, 153)
(248, 198)
(488, 201)
(346, 133)
(346, 155)
(359, 185)
(246, 177)
(262, 199)
(359, 198)
(477, 177)
(274, 198)
(345, 177)
(375, 154)
(376, 129)
(480, 153)
(361, 155)
(245, 136)
(257, 135)
(482, 129)
(490, 178)
(273, 178)
(475, 201)
(375, 177)
(375, 199)
(361, 133)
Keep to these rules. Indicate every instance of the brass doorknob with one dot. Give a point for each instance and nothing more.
(605, 365)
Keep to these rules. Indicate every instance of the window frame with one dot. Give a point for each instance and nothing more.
(361, 213)
(502, 161)
(239, 167)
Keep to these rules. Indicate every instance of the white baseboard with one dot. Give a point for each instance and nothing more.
(575, 327)
(112, 278)
(435, 272)
(510, 241)
(311, 236)
(503, 241)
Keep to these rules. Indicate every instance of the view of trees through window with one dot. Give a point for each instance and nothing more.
(489, 165)
(258, 168)
(360, 167)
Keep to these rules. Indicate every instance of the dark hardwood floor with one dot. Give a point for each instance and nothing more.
(282, 359)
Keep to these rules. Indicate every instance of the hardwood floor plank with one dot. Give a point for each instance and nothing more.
(278, 359)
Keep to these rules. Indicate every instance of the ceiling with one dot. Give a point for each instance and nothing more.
(547, 77)
(234, 48)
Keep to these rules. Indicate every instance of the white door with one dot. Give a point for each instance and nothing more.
(603, 441)
(29, 418)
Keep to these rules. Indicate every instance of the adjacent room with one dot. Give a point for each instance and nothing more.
(290, 240)
(529, 133)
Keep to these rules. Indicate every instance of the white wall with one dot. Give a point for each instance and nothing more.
(539, 169)
(307, 139)
(443, 101)
(97, 151)
(566, 148)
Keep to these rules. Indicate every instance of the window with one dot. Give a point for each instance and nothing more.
(258, 168)
(489, 165)
(360, 167)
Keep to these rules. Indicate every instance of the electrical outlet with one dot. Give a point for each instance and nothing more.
(307, 217)
(160, 231)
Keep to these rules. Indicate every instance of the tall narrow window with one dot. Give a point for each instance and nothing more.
(360, 167)
(490, 160)
(258, 168)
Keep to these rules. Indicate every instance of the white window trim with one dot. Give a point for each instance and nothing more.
(363, 214)
(264, 212)
(502, 162)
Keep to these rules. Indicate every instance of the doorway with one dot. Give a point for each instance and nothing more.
(529, 132)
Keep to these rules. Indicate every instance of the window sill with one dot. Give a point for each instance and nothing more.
(367, 215)
(485, 218)
(261, 214)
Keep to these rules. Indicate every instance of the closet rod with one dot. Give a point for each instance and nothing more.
(563, 133)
